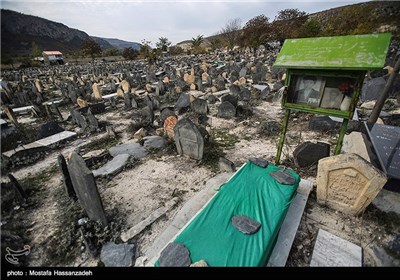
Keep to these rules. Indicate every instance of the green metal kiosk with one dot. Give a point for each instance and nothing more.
(324, 75)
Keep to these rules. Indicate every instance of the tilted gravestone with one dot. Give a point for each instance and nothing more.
(85, 188)
(188, 139)
(348, 183)
(66, 178)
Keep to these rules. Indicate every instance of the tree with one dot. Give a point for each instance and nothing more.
(36, 51)
(130, 53)
(196, 42)
(289, 14)
(175, 50)
(287, 24)
(90, 47)
(311, 28)
(112, 52)
(231, 32)
(147, 52)
(255, 31)
(163, 44)
(216, 43)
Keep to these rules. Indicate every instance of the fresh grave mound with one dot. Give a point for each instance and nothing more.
(253, 194)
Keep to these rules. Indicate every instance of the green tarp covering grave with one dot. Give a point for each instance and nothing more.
(251, 192)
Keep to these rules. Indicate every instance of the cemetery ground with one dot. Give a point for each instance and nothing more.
(59, 233)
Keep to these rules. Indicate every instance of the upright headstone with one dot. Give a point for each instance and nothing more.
(188, 139)
(226, 110)
(308, 153)
(125, 86)
(96, 91)
(200, 106)
(348, 183)
(85, 188)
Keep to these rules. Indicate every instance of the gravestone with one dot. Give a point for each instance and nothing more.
(200, 106)
(93, 123)
(234, 90)
(85, 188)
(386, 144)
(245, 95)
(243, 72)
(118, 255)
(188, 139)
(348, 183)
(97, 108)
(169, 125)
(48, 129)
(175, 255)
(96, 91)
(323, 123)
(125, 86)
(79, 119)
(230, 98)
(183, 101)
(212, 99)
(127, 100)
(226, 110)
(66, 178)
(333, 251)
(166, 112)
(308, 153)
(372, 89)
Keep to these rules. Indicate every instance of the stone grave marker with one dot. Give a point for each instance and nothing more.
(348, 183)
(85, 188)
(226, 110)
(188, 139)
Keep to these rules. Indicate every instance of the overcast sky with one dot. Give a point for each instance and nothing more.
(180, 20)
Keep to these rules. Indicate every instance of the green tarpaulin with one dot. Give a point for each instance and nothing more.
(251, 192)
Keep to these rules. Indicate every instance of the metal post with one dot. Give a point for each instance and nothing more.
(342, 132)
(282, 137)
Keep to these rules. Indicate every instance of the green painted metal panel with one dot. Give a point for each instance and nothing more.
(352, 52)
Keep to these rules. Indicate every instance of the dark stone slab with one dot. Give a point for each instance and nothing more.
(230, 98)
(48, 129)
(323, 123)
(188, 139)
(245, 224)
(183, 101)
(118, 255)
(66, 178)
(243, 72)
(245, 94)
(97, 108)
(283, 177)
(226, 110)
(212, 99)
(234, 90)
(309, 153)
(93, 122)
(259, 162)
(79, 119)
(200, 106)
(166, 112)
(372, 89)
(385, 140)
(86, 189)
(175, 255)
